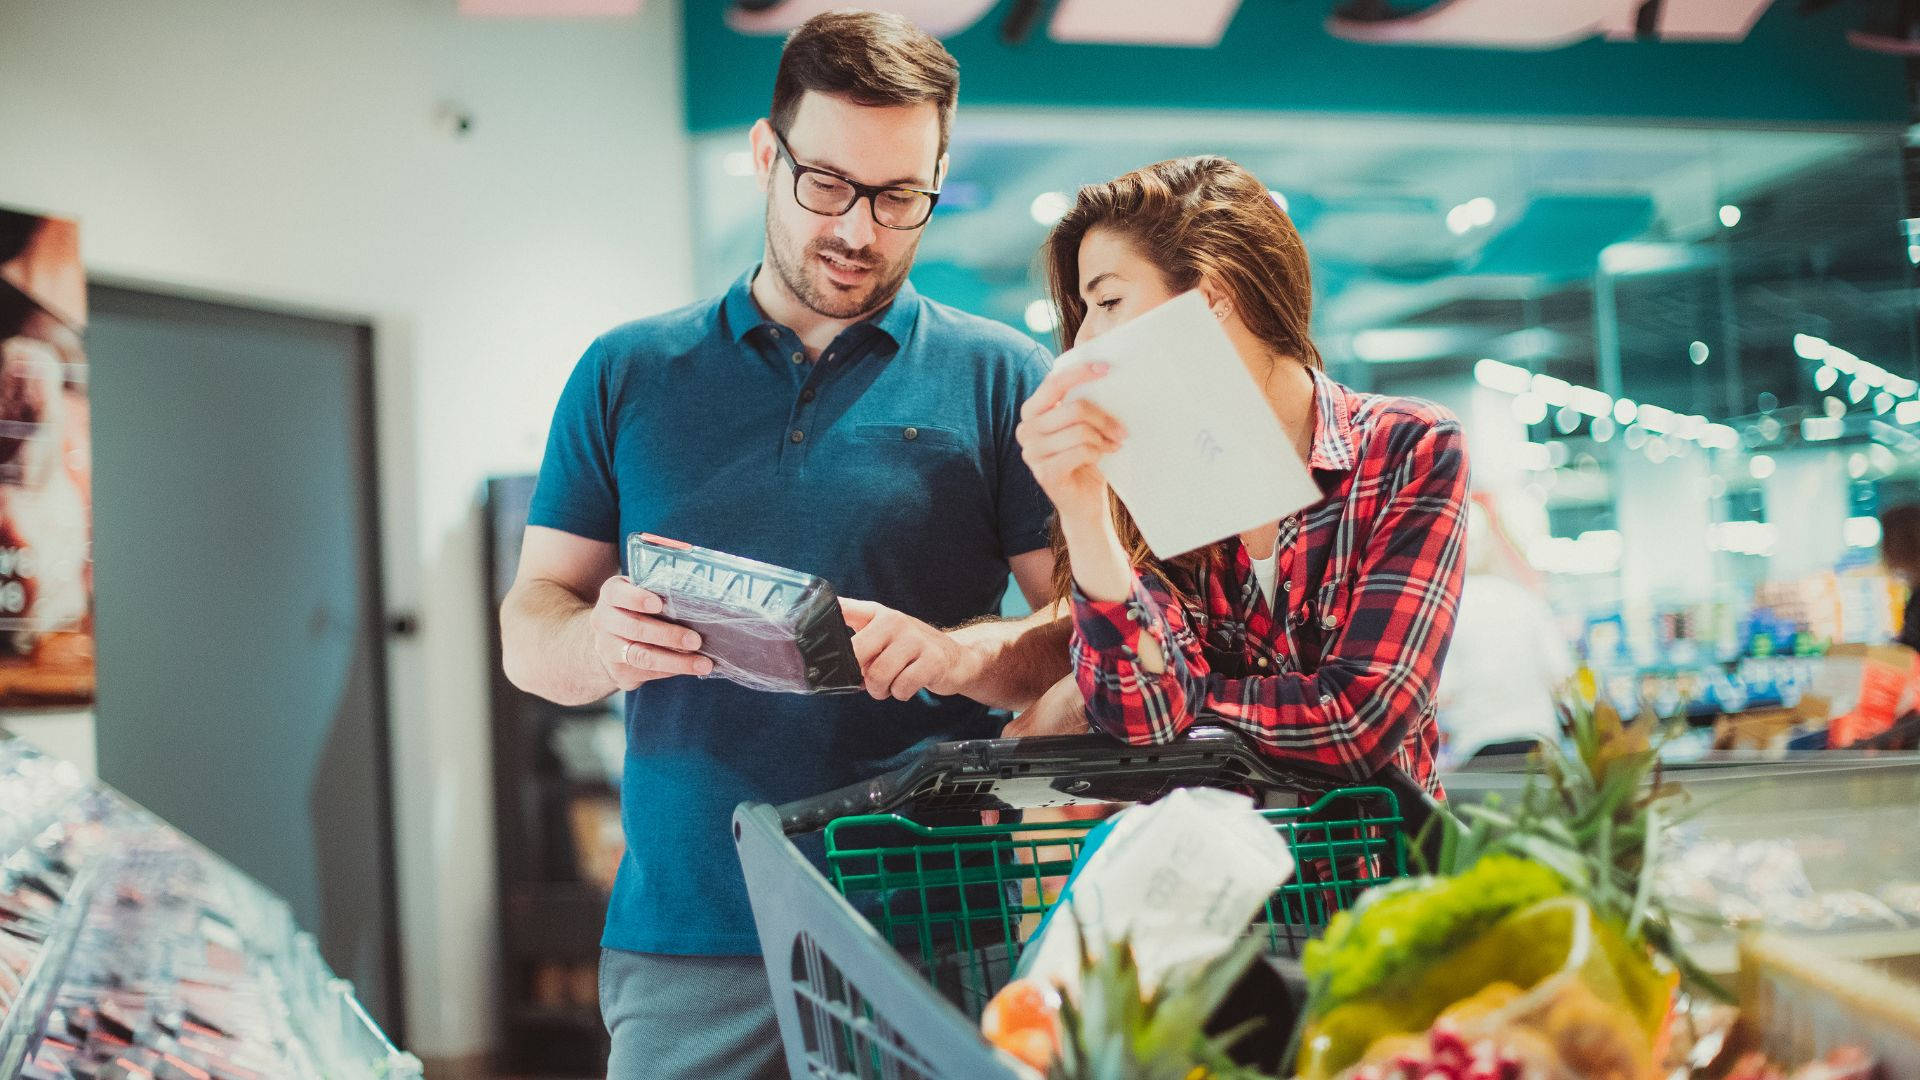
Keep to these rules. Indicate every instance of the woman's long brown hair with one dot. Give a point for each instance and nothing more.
(1192, 218)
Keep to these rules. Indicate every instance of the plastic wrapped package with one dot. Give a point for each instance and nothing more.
(1550, 988)
(765, 627)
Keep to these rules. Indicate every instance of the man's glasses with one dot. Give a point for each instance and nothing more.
(831, 195)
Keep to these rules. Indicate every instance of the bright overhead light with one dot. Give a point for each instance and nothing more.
(1602, 428)
(1656, 419)
(1719, 437)
(1566, 421)
(1280, 201)
(1822, 428)
(1506, 378)
(1810, 347)
(1460, 220)
(1635, 438)
(1557, 392)
(1760, 466)
(1592, 402)
(1729, 215)
(1862, 532)
(1395, 344)
(1825, 377)
(1697, 352)
(1907, 412)
(1882, 401)
(1481, 210)
(1834, 407)
(1856, 465)
(1040, 317)
(1643, 257)
(1624, 411)
(1529, 408)
(1857, 391)
(1049, 207)
(1658, 450)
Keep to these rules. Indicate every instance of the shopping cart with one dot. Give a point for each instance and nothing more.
(880, 967)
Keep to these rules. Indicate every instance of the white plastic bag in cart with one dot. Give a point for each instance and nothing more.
(1179, 879)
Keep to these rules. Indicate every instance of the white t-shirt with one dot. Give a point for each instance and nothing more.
(1265, 571)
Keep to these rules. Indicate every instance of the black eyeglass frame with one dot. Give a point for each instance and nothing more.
(869, 192)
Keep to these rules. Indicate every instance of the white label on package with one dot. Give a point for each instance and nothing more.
(1204, 458)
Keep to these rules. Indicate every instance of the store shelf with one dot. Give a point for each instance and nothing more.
(1720, 957)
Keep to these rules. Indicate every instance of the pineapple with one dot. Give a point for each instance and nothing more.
(1116, 1030)
(1595, 818)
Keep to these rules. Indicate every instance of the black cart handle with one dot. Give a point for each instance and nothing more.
(1046, 770)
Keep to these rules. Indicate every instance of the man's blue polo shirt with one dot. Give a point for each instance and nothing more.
(889, 468)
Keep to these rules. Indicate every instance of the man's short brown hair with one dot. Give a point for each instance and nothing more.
(872, 58)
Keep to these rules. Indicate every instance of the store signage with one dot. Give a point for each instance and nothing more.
(1496, 24)
(1688, 61)
(46, 561)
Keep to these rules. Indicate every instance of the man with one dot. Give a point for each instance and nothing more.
(823, 416)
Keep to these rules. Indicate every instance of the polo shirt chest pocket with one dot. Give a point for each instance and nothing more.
(914, 474)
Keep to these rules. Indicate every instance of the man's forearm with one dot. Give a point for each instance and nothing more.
(1014, 661)
(546, 644)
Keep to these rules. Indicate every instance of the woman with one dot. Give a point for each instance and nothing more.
(1320, 635)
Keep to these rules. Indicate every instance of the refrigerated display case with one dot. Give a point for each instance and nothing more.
(1816, 846)
(128, 950)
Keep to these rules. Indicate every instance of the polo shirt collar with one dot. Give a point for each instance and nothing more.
(743, 314)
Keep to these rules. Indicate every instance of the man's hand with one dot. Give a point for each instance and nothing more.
(1060, 711)
(633, 645)
(901, 656)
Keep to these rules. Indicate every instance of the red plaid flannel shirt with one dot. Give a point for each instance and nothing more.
(1370, 579)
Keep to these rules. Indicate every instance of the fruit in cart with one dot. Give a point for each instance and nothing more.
(1540, 922)
(1023, 1019)
(1552, 967)
(1446, 1053)
(1116, 1030)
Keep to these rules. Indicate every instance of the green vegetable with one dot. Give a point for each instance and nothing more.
(1400, 928)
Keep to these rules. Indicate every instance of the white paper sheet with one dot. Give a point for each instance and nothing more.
(1204, 458)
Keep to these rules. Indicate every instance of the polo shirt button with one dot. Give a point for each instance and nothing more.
(1326, 700)
(1262, 661)
(799, 358)
(1328, 622)
(797, 436)
(806, 395)
(1287, 585)
(910, 434)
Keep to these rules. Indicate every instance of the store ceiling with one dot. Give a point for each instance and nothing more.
(1815, 248)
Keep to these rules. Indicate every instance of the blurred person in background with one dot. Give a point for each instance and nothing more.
(1498, 694)
(1900, 551)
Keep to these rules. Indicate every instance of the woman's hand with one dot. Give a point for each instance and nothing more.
(1063, 441)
